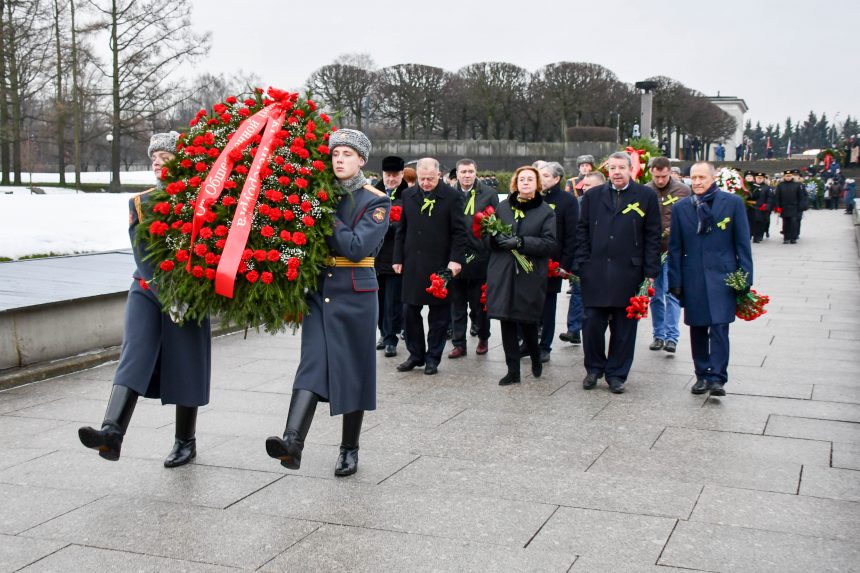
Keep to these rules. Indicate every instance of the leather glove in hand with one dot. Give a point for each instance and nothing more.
(511, 243)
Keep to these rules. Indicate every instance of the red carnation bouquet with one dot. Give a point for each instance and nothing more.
(395, 213)
(239, 227)
(487, 224)
(439, 283)
(750, 304)
(638, 308)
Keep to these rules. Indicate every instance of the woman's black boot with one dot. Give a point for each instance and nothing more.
(288, 449)
(185, 447)
(108, 440)
(513, 375)
(347, 460)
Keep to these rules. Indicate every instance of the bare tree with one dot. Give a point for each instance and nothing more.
(579, 92)
(493, 89)
(345, 87)
(149, 40)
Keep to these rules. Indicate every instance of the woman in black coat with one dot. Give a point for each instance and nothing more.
(516, 297)
(159, 358)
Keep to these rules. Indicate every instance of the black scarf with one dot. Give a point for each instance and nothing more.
(703, 204)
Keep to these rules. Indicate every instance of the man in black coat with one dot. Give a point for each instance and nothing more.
(431, 238)
(390, 283)
(566, 209)
(618, 246)
(789, 204)
(465, 290)
(762, 194)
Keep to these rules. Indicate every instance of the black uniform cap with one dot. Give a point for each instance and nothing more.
(392, 163)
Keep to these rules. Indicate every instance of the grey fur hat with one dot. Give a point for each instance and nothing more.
(163, 142)
(585, 159)
(351, 138)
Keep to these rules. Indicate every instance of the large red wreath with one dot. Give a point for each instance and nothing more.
(239, 228)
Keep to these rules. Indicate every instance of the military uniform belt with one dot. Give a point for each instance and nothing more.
(366, 262)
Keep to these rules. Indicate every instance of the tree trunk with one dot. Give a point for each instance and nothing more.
(60, 106)
(115, 127)
(76, 102)
(5, 150)
(15, 100)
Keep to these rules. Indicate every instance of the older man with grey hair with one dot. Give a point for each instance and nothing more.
(617, 247)
(431, 237)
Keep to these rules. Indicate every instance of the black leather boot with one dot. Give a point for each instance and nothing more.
(289, 448)
(347, 460)
(108, 440)
(185, 447)
(513, 375)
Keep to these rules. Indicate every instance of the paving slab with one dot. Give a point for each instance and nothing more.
(835, 483)
(94, 560)
(711, 547)
(175, 531)
(846, 456)
(426, 512)
(24, 507)
(814, 429)
(17, 552)
(786, 513)
(586, 532)
(338, 548)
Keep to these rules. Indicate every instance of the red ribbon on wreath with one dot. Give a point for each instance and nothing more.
(272, 117)
(636, 168)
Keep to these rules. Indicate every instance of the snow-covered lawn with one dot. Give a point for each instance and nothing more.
(92, 177)
(61, 222)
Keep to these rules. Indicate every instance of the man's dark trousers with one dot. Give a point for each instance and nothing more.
(710, 345)
(429, 352)
(622, 341)
(460, 292)
(391, 308)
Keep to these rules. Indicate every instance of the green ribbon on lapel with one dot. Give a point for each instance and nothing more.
(518, 214)
(722, 224)
(669, 200)
(470, 206)
(551, 206)
(633, 207)
(428, 204)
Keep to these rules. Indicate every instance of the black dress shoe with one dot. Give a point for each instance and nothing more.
(287, 449)
(409, 364)
(537, 368)
(431, 369)
(590, 381)
(108, 441)
(347, 462)
(656, 345)
(380, 344)
(716, 388)
(390, 351)
(616, 385)
(793, 241)
(571, 337)
(183, 452)
(509, 378)
(700, 387)
(670, 346)
(473, 331)
(544, 356)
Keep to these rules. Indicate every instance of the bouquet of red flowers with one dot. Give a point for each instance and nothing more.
(439, 283)
(638, 308)
(239, 227)
(486, 223)
(395, 213)
(750, 303)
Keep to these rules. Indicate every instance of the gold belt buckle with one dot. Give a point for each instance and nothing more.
(331, 262)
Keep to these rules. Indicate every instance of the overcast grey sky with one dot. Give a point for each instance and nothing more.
(784, 57)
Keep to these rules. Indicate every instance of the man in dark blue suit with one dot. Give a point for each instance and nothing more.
(710, 238)
(617, 247)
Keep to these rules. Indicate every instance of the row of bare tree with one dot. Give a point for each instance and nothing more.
(64, 105)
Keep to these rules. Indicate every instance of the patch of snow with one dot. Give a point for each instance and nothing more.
(93, 177)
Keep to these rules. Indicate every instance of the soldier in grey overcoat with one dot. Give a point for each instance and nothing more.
(159, 358)
(338, 359)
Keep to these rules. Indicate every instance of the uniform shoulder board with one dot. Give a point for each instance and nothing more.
(137, 206)
(375, 191)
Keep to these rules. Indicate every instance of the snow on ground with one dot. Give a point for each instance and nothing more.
(103, 177)
(62, 222)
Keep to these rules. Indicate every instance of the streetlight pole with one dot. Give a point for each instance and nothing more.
(109, 138)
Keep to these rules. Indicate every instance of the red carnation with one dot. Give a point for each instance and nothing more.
(306, 205)
(322, 196)
(229, 184)
(308, 221)
(219, 108)
(274, 214)
(289, 168)
(289, 215)
(292, 274)
(267, 231)
(162, 208)
(244, 112)
(273, 255)
(210, 217)
(252, 276)
(263, 209)
(274, 196)
(158, 228)
(205, 233)
(293, 199)
(143, 284)
(209, 258)
(299, 238)
(213, 153)
(285, 236)
(226, 118)
(318, 165)
(396, 212)
(323, 149)
(178, 208)
(200, 249)
(163, 173)
(210, 274)
(231, 100)
(228, 201)
(325, 118)
(301, 182)
(221, 231)
(195, 182)
(186, 228)
(284, 180)
(235, 155)
(182, 255)
(186, 163)
(219, 244)
(166, 266)
(266, 277)
(279, 160)
(293, 263)
(241, 170)
(176, 224)
(197, 271)
(259, 255)
(200, 167)
(247, 254)
(250, 102)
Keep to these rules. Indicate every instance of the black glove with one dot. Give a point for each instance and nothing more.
(676, 292)
(497, 239)
(510, 243)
